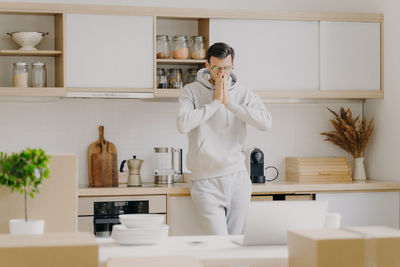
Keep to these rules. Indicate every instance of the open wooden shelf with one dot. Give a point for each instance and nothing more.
(181, 61)
(107, 89)
(37, 53)
(33, 91)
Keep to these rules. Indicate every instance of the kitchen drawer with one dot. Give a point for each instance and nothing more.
(277, 197)
(85, 224)
(262, 198)
(299, 197)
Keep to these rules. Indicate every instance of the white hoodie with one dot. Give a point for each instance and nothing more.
(217, 133)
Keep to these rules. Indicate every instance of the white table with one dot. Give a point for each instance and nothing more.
(211, 250)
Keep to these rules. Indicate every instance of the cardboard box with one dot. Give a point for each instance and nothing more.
(347, 247)
(382, 245)
(325, 248)
(49, 250)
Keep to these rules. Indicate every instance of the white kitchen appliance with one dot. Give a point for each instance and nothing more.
(98, 215)
(168, 165)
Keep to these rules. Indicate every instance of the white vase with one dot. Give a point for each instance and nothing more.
(359, 170)
(22, 227)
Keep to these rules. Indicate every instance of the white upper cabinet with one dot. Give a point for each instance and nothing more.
(109, 51)
(350, 55)
(272, 55)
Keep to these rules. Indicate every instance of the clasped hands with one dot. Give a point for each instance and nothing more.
(221, 91)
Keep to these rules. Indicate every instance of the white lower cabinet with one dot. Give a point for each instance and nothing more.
(356, 209)
(364, 209)
(183, 219)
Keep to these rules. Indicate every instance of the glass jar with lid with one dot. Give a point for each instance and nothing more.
(175, 78)
(38, 74)
(198, 50)
(191, 75)
(162, 79)
(180, 47)
(162, 46)
(20, 74)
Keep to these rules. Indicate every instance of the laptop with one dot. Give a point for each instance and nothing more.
(267, 222)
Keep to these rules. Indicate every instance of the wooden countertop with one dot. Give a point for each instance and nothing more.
(280, 187)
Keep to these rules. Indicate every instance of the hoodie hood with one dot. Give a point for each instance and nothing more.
(203, 76)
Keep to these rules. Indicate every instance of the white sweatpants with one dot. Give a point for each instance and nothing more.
(222, 202)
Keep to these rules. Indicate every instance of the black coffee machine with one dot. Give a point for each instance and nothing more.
(257, 166)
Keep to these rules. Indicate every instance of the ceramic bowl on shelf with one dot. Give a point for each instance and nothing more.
(141, 220)
(27, 40)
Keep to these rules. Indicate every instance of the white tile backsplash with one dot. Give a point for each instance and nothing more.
(136, 126)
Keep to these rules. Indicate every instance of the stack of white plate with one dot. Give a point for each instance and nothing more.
(140, 229)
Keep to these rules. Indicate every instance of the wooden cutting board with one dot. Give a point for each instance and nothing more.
(102, 162)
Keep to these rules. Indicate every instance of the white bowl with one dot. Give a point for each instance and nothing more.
(141, 220)
(27, 40)
(139, 236)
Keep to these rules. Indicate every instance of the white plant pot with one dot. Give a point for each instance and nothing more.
(22, 227)
(359, 169)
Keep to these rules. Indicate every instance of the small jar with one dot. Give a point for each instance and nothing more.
(191, 75)
(198, 50)
(162, 79)
(175, 78)
(162, 46)
(180, 47)
(20, 75)
(38, 75)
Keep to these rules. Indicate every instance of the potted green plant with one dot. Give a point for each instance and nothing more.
(24, 172)
(352, 135)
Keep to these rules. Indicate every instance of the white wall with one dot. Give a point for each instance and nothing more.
(383, 152)
(137, 126)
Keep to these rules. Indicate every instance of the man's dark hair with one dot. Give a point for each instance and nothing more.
(220, 50)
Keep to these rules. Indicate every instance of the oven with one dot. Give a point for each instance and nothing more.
(97, 215)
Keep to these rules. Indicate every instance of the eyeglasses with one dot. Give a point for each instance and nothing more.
(226, 68)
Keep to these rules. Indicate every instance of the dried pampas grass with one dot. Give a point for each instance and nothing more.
(350, 134)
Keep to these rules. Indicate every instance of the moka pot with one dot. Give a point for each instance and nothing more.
(134, 166)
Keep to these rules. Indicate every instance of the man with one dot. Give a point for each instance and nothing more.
(214, 112)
